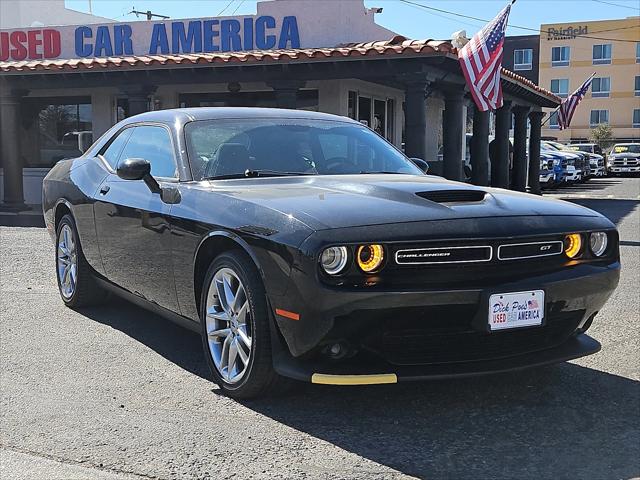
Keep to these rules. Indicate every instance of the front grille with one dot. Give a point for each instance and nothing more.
(625, 162)
(440, 255)
(445, 335)
(453, 196)
(519, 251)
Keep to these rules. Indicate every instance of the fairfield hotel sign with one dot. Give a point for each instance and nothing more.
(566, 33)
(150, 38)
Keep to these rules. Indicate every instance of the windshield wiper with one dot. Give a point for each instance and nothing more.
(256, 173)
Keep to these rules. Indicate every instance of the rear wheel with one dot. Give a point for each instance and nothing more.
(77, 286)
(235, 328)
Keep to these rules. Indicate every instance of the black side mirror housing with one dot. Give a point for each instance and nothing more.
(421, 164)
(138, 169)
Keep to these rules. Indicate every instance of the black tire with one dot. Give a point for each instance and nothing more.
(260, 379)
(87, 292)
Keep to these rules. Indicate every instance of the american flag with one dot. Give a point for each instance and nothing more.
(481, 62)
(569, 104)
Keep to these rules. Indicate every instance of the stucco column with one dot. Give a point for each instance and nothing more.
(138, 97)
(10, 147)
(416, 118)
(480, 148)
(435, 106)
(287, 93)
(500, 156)
(535, 120)
(519, 180)
(452, 131)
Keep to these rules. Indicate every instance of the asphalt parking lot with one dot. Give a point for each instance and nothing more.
(116, 393)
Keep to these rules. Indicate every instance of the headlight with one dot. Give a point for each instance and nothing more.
(370, 257)
(334, 259)
(572, 245)
(598, 243)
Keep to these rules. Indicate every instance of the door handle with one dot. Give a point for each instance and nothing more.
(105, 189)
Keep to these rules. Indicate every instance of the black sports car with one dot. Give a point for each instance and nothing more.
(304, 246)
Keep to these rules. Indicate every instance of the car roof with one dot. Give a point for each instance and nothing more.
(213, 113)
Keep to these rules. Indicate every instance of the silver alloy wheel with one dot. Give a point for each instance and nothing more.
(228, 325)
(67, 260)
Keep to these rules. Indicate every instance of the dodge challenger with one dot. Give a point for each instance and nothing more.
(303, 246)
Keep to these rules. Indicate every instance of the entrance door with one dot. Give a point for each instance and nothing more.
(133, 224)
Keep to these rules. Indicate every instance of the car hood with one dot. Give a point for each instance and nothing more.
(337, 201)
(625, 155)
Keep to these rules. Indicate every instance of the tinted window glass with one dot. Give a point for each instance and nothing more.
(152, 144)
(231, 147)
(112, 153)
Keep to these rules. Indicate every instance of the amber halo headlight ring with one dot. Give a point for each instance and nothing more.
(333, 260)
(598, 243)
(573, 245)
(370, 257)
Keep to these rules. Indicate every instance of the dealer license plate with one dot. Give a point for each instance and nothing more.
(516, 309)
(624, 169)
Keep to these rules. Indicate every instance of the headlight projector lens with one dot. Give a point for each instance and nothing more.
(334, 259)
(572, 245)
(598, 243)
(370, 257)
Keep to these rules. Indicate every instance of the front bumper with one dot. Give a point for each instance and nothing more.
(572, 295)
(624, 169)
(547, 178)
(575, 347)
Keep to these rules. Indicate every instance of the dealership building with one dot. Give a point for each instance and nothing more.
(67, 77)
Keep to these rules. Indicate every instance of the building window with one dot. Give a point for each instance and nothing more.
(599, 117)
(636, 118)
(560, 56)
(602, 54)
(56, 128)
(560, 86)
(523, 59)
(638, 52)
(637, 86)
(601, 87)
(553, 120)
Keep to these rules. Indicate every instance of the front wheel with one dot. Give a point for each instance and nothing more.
(235, 328)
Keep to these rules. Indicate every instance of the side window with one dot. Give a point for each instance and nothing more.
(112, 152)
(152, 144)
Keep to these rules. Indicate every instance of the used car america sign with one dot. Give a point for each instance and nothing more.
(150, 38)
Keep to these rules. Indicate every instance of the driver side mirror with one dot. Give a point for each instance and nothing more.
(421, 164)
(138, 169)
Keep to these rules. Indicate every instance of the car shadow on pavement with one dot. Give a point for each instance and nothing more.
(614, 209)
(175, 343)
(563, 421)
(591, 186)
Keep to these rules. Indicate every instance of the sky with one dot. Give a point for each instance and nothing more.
(410, 21)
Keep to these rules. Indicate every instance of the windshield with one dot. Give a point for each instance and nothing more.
(548, 146)
(228, 148)
(581, 148)
(635, 148)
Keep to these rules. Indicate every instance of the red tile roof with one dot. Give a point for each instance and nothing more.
(397, 46)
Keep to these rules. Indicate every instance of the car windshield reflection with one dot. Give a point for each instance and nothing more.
(263, 147)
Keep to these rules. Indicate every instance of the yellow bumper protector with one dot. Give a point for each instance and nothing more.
(375, 379)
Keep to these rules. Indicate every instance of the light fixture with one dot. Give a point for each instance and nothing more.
(334, 259)
(370, 257)
(572, 245)
(598, 242)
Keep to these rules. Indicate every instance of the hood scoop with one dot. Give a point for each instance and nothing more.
(453, 196)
